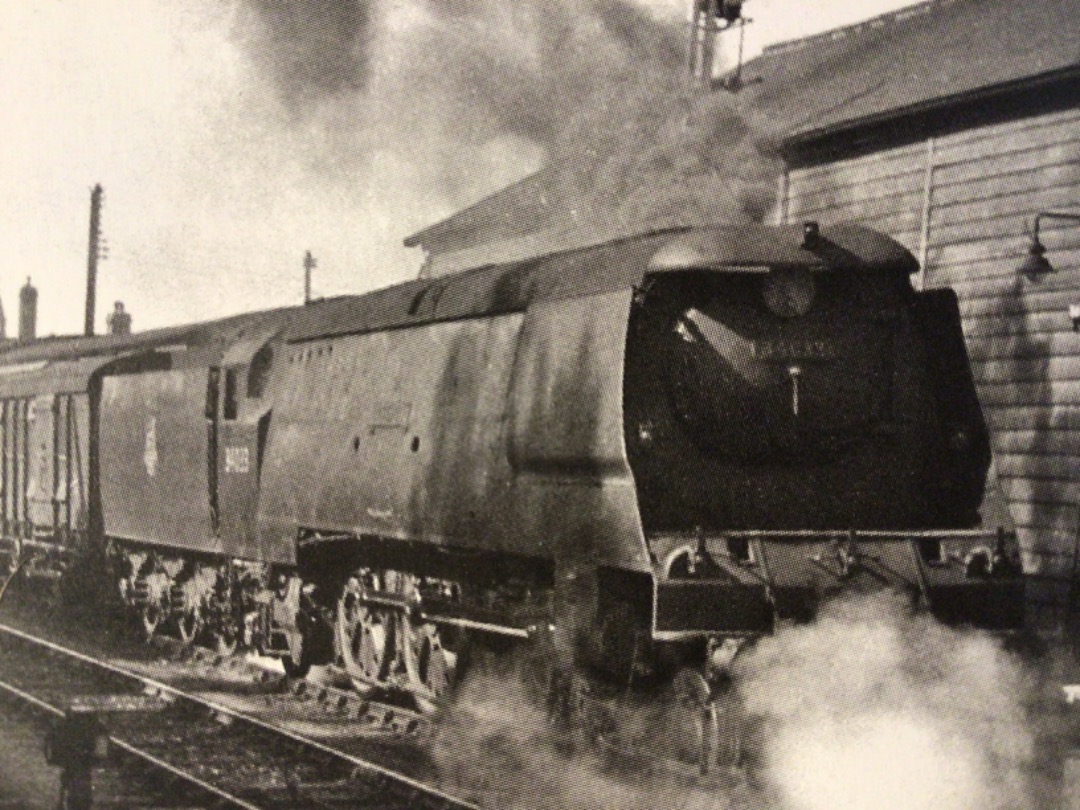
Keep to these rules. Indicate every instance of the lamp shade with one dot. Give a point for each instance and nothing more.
(1036, 264)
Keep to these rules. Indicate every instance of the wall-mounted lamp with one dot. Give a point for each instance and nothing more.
(1074, 316)
(1036, 265)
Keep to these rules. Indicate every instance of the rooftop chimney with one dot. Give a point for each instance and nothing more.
(28, 312)
(309, 265)
(119, 321)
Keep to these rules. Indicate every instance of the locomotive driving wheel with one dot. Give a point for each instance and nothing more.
(189, 625)
(150, 600)
(223, 642)
(431, 666)
(364, 638)
(148, 620)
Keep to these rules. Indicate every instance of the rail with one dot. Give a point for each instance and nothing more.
(134, 751)
(221, 710)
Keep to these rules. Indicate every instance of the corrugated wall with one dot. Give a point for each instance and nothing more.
(963, 203)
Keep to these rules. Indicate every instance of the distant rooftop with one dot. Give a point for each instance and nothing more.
(889, 18)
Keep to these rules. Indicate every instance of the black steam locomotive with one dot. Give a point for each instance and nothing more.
(633, 456)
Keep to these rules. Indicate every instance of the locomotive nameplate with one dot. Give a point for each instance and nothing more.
(783, 350)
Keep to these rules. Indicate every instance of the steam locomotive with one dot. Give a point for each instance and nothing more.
(632, 456)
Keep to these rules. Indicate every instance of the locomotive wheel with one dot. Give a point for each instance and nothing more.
(621, 642)
(189, 625)
(297, 669)
(538, 669)
(435, 666)
(365, 641)
(149, 619)
(691, 723)
(222, 643)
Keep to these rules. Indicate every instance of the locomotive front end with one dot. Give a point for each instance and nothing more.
(801, 422)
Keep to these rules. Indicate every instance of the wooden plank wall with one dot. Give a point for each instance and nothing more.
(964, 203)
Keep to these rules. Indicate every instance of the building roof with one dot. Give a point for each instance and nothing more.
(933, 55)
(524, 200)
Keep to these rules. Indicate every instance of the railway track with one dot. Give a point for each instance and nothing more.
(255, 745)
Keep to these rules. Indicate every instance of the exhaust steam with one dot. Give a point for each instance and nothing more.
(876, 706)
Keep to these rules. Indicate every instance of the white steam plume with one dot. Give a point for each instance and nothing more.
(874, 706)
(498, 749)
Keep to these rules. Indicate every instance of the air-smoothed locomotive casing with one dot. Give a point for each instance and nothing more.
(480, 412)
(154, 459)
(492, 413)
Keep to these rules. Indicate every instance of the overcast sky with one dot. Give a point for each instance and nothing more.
(214, 185)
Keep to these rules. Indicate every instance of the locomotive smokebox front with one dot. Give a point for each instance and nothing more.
(795, 415)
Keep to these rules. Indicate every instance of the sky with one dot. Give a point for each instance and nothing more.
(229, 142)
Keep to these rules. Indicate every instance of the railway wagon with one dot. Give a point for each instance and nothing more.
(49, 394)
(630, 458)
(50, 420)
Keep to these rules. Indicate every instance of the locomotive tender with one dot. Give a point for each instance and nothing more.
(633, 456)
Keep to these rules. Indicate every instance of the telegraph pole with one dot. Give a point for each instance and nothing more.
(92, 257)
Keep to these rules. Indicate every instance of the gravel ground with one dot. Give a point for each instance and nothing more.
(26, 782)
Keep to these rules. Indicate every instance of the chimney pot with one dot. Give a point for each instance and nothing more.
(119, 321)
(28, 297)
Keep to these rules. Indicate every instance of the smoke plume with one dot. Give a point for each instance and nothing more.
(231, 137)
(433, 104)
(874, 706)
(669, 158)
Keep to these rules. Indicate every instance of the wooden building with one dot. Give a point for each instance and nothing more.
(948, 125)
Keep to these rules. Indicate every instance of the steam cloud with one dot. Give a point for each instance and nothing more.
(873, 706)
(465, 96)
(870, 706)
(497, 749)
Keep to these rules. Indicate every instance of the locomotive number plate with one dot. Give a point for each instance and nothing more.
(794, 350)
